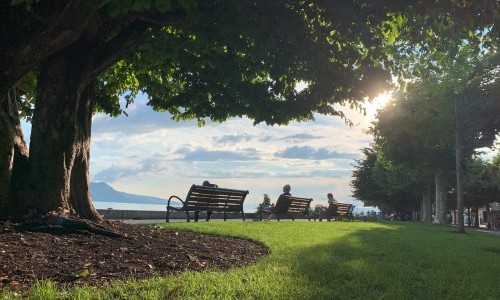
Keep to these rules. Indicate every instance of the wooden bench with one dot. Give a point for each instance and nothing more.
(337, 211)
(290, 205)
(205, 198)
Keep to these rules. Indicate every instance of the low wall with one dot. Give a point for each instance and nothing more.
(117, 214)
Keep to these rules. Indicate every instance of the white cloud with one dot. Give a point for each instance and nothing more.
(307, 152)
(150, 154)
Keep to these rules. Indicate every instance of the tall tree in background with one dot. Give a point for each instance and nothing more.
(387, 187)
(437, 51)
(415, 132)
(481, 184)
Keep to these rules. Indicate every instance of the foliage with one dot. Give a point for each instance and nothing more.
(381, 185)
(199, 61)
(266, 202)
(482, 182)
(415, 134)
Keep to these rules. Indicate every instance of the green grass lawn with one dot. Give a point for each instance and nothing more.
(328, 260)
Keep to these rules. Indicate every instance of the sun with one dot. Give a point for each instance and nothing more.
(378, 102)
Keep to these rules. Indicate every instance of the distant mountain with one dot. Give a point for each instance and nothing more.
(101, 192)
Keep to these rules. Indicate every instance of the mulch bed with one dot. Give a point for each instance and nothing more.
(137, 252)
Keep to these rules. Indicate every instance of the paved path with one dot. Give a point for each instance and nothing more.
(494, 232)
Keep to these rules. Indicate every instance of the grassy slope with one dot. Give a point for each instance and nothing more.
(330, 260)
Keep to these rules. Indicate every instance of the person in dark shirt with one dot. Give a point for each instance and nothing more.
(286, 192)
(331, 206)
(209, 213)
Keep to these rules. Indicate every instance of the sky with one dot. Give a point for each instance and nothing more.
(147, 153)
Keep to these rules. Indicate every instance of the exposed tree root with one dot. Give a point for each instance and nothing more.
(65, 224)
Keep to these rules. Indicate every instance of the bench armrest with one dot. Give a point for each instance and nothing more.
(173, 196)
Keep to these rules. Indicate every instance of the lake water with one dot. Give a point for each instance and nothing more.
(130, 206)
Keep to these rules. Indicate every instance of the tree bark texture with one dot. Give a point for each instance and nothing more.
(441, 201)
(60, 137)
(13, 152)
(427, 204)
(459, 167)
(72, 43)
(80, 198)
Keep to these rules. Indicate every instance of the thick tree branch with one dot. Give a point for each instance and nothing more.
(128, 39)
(118, 47)
(64, 26)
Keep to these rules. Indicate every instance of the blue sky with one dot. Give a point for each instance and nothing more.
(149, 154)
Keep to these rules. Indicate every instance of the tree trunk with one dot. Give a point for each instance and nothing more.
(6, 154)
(469, 219)
(80, 178)
(58, 165)
(476, 217)
(427, 205)
(60, 138)
(13, 152)
(488, 224)
(459, 167)
(441, 201)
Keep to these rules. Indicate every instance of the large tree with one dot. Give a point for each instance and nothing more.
(195, 59)
(213, 59)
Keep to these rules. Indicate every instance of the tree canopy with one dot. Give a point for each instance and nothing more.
(212, 59)
(62, 60)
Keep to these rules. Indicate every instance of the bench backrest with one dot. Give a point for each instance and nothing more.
(289, 204)
(344, 209)
(214, 199)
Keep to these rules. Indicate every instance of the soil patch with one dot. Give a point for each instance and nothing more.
(91, 258)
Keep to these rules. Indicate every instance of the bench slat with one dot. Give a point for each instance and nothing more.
(291, 205)
(338, 210)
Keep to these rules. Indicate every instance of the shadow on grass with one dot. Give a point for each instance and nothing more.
(401, 261)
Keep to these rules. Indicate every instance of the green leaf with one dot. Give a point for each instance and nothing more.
(163, 6)
(82, 273)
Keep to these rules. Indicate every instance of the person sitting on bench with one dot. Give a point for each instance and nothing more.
(286, 192)
(209, 213)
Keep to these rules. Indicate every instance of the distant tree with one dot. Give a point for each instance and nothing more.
(456, 64)
(266, 202)
(415, 134)
(481, 186)
(420, 129)
(387, 188)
